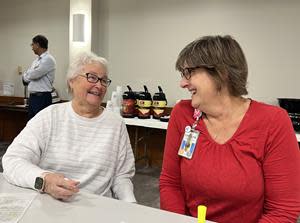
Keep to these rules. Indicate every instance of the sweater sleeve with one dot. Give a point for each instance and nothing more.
(171, 194)
(281, 167)
(20, 162)
(122, 186)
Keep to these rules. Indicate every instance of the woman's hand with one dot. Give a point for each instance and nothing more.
(60, 187)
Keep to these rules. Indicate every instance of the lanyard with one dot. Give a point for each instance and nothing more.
(197, 115)
(189, 140)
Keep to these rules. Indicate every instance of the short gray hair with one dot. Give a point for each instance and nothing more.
(81, 60)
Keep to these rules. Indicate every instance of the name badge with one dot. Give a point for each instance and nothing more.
(188, 143)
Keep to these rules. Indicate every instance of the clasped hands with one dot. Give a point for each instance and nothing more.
(60, 187)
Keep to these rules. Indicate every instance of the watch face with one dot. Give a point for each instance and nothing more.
(39, 182)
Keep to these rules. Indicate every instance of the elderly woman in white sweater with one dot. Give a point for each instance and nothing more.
(77, 145)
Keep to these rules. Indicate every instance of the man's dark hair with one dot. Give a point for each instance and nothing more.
(41, 40)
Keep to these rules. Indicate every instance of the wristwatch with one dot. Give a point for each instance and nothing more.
(39, 183)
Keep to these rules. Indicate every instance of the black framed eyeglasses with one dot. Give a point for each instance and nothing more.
(93, 78)
(188, 71)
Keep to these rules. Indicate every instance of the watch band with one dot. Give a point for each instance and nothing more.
(39, 183)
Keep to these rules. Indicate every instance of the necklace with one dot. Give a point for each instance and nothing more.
(216, 135)
(224, 130)
(214, 132)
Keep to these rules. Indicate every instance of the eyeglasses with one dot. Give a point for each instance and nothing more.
(93, 78)
(188, 71)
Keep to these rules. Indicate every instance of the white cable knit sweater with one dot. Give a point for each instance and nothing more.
(95, 151)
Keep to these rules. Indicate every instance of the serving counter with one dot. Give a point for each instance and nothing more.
(147, 136)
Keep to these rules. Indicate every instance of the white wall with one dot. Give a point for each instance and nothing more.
(19, 22)
(143, 40)
(80, 7)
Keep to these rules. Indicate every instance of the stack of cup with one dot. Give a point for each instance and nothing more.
(109, 105)
(116, 100)
(119, 96)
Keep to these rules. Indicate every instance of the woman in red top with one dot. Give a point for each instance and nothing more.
(238, 157)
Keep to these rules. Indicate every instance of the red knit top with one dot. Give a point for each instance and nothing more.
(253, 177)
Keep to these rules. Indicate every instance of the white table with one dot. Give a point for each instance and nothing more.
(154, 123)
(147, 123)
(90, 208)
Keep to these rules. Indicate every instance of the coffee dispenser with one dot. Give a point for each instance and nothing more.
(129, 103)
(159, 103)
(144, 102)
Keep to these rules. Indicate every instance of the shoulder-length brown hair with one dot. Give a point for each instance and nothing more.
(222, 57)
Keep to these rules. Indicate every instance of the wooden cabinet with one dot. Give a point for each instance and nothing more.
(11, 124)
(13, 117)
(147, 144)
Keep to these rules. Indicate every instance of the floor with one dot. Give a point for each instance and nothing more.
(146, 188)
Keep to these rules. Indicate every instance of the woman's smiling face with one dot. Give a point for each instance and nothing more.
(202, 87)
(86, 93)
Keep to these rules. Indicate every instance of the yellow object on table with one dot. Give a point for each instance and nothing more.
(201, 213)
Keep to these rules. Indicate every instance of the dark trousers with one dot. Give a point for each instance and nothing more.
(38, 101)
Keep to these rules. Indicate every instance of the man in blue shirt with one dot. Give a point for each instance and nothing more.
(40, 76)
